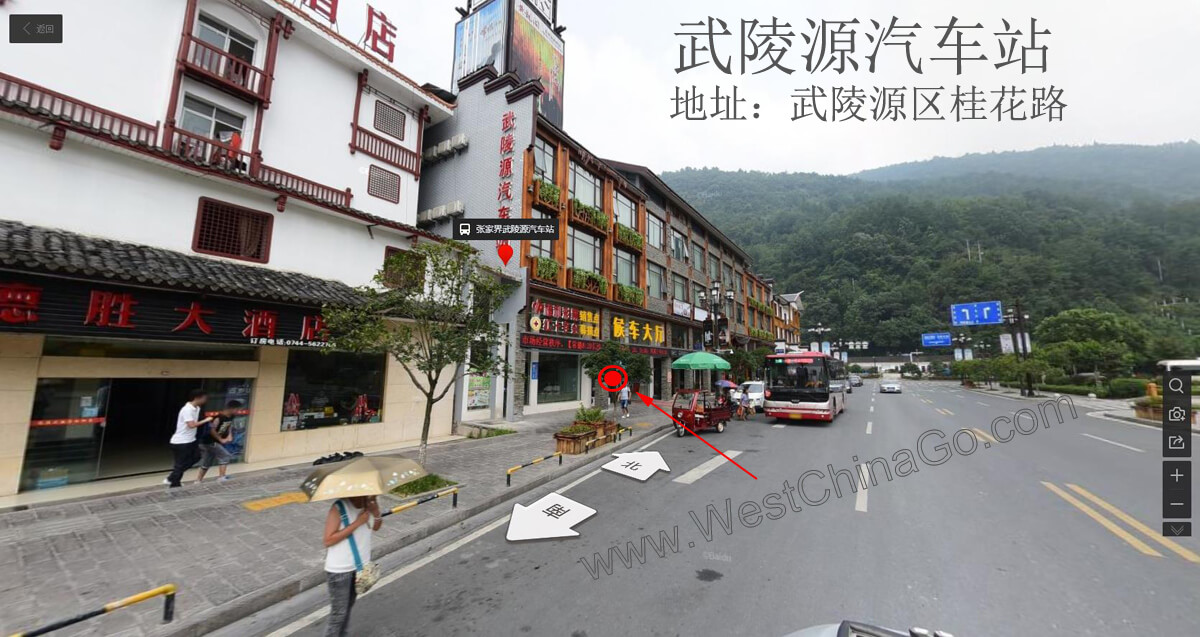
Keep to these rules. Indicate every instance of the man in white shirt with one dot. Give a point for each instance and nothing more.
(183, 443)
(624, 398)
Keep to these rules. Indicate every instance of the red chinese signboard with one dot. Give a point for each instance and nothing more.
(504, 191)
(48, 305)
(554, 318)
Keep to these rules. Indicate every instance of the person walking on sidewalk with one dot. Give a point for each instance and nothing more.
(624, 398)
(212, 439)
(183, 443)
(347, 547)
(744, 406)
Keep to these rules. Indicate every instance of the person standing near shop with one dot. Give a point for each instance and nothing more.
(183, 443)
(624, 398)
(212, 439)
(347, 540)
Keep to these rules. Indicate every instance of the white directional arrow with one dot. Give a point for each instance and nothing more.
(639, 465)
(552, 516)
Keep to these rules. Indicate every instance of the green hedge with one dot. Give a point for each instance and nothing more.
(1127, 387)
(1075, 390)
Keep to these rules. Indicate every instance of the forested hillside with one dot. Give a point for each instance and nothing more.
(882, 261)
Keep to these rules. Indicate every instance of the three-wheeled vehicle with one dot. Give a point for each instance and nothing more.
(700, 411)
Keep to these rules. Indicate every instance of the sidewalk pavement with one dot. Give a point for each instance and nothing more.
(58, 560)
(1119, 408)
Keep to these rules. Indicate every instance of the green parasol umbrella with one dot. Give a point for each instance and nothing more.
(700, 360)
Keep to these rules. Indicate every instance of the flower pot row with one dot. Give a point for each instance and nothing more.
(574, 439)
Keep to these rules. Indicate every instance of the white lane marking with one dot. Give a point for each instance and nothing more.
(872, 407)
(705, 468)
(984, 404)
(320, 613)
(778, 426)
(860, 499)
(872, 399)
(1114, 443)
(868, 426)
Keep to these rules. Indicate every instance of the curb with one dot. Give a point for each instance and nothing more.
(263, 598)
(1140, 421)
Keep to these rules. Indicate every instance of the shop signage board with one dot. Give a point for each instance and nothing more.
(681, 308)
(565, 344)
(548, 317)
(72, 307)
(635, 331)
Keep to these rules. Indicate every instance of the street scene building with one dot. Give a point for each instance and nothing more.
(184, 229)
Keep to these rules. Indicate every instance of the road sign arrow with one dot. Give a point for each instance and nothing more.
(639, 465)
(552, 516)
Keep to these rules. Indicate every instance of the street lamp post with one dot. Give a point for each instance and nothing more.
(820, 330)
(1016, 324)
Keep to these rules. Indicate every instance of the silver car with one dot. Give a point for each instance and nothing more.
(889, 387)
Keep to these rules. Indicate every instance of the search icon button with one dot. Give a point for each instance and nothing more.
(1175, 384)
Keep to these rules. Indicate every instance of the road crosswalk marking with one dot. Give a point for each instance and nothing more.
(705, 468)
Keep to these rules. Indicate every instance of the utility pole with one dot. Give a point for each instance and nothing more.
(1021, 318)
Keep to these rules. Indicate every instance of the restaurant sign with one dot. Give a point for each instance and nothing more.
(638, 332)
(555, 318)
(30, 303)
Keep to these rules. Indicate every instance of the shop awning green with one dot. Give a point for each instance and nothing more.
(699, 360)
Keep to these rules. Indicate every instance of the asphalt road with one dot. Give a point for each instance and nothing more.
(1054, 532)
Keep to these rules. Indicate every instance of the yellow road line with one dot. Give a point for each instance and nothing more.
(1103, 521)
(949, 413)
(1131, 521)
(983, 434)
(291, 497)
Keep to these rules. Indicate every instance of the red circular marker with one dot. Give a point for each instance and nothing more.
(613, 378)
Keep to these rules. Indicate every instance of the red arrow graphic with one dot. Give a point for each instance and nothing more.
(650, 401)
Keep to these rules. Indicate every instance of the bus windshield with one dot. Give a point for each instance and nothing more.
(799, 375)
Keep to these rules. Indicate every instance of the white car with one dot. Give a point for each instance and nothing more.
(754, 389)
(889, 387)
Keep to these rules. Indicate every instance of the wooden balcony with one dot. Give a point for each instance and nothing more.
(547, 196)
(224, 71)
(384, 150)
(594, 285)
(301, 187)
(582, 216)
(21, 96)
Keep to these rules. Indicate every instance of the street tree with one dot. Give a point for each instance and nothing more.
(637, 366)
(431, 309)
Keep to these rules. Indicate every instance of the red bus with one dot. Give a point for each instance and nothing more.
(805, 385)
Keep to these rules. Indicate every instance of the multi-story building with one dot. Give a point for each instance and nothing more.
(188, 183)
(787, 321)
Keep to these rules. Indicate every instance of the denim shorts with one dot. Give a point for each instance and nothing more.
(214, 453)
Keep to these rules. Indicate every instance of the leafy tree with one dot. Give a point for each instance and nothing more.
(637, 366)
(855, 368)
(430, 309)
(745, 364)
(910, 369)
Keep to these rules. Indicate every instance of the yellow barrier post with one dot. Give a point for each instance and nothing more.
(453, 491)
(508, 474)
(167, 591)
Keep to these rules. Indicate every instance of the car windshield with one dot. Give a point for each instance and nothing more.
(752, 388)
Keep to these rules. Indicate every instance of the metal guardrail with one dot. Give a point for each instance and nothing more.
(508, 474)
(404, 506)
(167, 591)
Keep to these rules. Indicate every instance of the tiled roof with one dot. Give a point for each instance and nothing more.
(48, 250)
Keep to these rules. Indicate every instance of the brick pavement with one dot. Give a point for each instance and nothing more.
(57, 560)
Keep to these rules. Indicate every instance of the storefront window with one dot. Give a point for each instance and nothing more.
(337, 388)
(558, 378)
(679, 337)
(65, 432)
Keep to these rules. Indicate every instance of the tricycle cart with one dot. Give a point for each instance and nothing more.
(700, 411)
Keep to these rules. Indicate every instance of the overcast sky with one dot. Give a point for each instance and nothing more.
(1129, 71)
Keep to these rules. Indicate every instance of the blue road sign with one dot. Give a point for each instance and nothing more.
(981, 313)
(936, 339)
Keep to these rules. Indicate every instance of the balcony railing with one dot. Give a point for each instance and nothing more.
(208, 152)
(384, 150)
(68, 110)
(304, 187)
(226, 70)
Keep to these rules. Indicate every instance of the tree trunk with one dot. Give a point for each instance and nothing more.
(425, 430)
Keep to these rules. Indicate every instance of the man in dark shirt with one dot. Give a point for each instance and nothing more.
(213, 437)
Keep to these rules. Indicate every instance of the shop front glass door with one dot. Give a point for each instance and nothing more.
(558, 378)
(66, 432)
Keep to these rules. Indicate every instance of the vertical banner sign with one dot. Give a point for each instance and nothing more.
(536, 52)
(504, 192)
(479, 41)
(1006, 344)
(814, 346)
(825, 347)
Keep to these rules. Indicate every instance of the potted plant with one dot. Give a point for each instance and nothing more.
(573, 440)
(547, 194)
(594, 417)
(545, 269)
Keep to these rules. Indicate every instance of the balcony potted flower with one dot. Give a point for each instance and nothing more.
(544, 269)
(628, 237)
(573, 440)
(547, 195)
(586, 281)
(590, 216)
(630, 294)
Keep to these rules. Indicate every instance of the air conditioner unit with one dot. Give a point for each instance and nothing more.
(424, 216)
(430, 153)
(459, 141)
(443, 148)
(455, 208)
(438, 213)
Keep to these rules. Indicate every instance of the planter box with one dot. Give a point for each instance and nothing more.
(591, 286)
(582, 218)
(549, 205)
(572, 444)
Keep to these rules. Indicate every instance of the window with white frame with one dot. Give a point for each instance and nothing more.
(626, 265)
(656, 281)
(543, 248)
(654, 234)
(626, 210)
(544, 164)
(585, 186)
(584, 252)
(226, 38)
(678, 245)
(207, 120)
